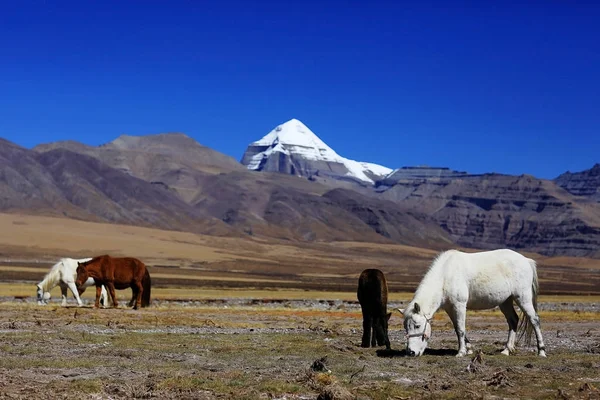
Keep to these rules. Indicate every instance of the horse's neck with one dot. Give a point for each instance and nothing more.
(430, 294)
(51, 279)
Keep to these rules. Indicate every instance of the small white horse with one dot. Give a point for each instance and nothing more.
(458, 281)
(63, 273)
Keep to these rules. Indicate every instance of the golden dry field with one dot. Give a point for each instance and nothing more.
(180, 259)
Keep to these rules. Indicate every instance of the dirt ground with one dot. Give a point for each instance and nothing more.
(244, 349)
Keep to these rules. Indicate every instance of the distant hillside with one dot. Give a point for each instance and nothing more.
(491, 211)
(174, 160)
(312, 194)
(585, 183)
(116, 183)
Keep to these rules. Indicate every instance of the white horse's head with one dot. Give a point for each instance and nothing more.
(418, 330)
(42, 297)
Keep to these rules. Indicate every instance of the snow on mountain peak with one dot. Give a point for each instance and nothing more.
(295, 139)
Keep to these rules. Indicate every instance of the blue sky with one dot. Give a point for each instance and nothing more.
(476, 86)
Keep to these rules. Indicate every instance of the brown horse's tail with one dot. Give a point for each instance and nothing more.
(146, 284)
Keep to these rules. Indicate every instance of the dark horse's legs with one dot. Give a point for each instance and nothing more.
(375, 332)
(380, 332)
(367, 327)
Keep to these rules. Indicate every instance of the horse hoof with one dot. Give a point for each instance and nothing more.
(542, 353)
(505, 352)
(461, 354)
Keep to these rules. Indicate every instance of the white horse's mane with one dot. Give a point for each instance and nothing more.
(432, 271)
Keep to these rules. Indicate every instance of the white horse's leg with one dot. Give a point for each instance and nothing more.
(458, 315)
(63, 293)
(104, 297)
(534, 319)
(75, 293)
(513, 321)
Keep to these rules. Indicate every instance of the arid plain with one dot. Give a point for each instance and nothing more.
(246, 318)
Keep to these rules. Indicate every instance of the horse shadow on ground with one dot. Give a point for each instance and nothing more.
(402, 353)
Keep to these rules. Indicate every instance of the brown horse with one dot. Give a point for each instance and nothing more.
(146, 283)
(116, 273)
(372, 295)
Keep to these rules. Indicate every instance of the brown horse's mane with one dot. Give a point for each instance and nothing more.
(93, 260)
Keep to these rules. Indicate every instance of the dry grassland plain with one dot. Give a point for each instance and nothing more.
(246, 319)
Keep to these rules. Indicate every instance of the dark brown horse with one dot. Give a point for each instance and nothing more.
(117, 273)
(372, 295)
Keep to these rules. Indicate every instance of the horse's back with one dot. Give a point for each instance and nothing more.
(372, 288)
(127, 268)
(488, 277)
(502, 262)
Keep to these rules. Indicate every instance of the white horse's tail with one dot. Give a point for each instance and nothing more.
(525, 327)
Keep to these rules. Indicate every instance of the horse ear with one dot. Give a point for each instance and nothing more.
(400, 310)
(389, 315)
(417, 308)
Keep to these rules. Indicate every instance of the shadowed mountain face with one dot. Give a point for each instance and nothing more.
(63, 183)
(114, 196)
(491, 211)
(585, 183)
(127, 181)
(173, 160)
(26, 185)
(281, 206)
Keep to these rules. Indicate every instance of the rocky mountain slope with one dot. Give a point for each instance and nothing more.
(492, 210)
(131, 183)
(173, 160)
(60, 182)
(585, 183)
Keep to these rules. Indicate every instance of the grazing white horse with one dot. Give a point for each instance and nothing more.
(63, 273)
(458, 281)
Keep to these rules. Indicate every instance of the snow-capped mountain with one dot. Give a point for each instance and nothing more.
(292, 148)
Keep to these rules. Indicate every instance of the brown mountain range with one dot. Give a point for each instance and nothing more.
(493, 210)
(170, 181)
(175, 159)
(145, 181)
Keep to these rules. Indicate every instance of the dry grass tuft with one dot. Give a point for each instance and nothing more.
(335, 392)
